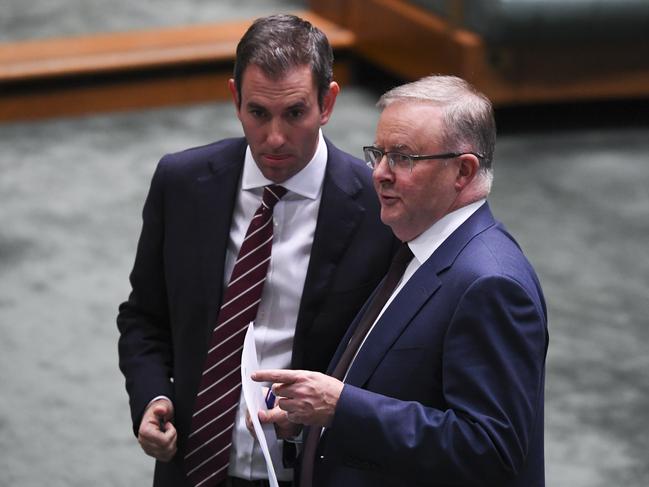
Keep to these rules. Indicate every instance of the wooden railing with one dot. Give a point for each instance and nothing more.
(126, 70)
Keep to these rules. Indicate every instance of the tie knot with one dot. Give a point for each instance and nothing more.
(403, 256)
(272, 194)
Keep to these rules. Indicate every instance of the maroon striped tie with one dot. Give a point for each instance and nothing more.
(208, 445)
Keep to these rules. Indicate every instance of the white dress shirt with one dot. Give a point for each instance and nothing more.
(294, 222)
(423, 247)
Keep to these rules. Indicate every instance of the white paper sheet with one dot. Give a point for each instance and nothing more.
(253, 394)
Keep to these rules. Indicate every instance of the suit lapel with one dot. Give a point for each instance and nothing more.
(215, 199)
(417, 291)
(392, 323)
(339, 216)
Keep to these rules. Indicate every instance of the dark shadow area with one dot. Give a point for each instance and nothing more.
(573, 116)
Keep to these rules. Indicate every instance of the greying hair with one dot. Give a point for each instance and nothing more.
(279, 43)
(468, 116)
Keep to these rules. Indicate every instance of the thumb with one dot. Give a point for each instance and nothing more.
(162, 410)
(263, 416)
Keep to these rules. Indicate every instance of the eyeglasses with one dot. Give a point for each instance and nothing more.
(374, 155)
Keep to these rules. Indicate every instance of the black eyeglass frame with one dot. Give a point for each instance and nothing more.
(411, 157)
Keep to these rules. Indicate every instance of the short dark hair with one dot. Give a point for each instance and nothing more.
(278, 43)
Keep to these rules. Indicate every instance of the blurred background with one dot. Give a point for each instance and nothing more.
(93, 93)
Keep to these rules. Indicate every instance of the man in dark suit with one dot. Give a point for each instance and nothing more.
(329, 250)
(441, 383)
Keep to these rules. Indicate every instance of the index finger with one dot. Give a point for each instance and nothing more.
(282, 376)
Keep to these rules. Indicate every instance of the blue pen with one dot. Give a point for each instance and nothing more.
(270, 399)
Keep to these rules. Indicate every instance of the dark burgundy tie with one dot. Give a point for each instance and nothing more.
(215, 408)
(399, 263)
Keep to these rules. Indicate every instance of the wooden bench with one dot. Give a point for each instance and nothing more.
(410, 42)
(126, 70)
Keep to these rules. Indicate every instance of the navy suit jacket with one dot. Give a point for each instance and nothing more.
(448, 387)
(177, 278)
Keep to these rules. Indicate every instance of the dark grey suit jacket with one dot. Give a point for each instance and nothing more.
(177, 278)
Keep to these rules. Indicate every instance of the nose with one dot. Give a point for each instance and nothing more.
(275, 137)
(382, 172)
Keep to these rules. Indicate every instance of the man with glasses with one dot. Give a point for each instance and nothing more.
(440, 378)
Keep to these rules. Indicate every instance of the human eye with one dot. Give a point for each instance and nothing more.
(295, 113)
(257, 112)
(400, 159)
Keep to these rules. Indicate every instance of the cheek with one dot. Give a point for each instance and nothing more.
(376, 184)
(304, 138)
(246, 126)
(419, 203)
(410, 194)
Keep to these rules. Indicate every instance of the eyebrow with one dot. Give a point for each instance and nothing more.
(299, 104)
(403, 148)
(252, 104)
(400, 147)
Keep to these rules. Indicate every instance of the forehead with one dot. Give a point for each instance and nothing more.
(413, 124)
(295, 85)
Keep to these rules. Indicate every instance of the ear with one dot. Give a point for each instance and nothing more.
(468, 167)
(328, 102)
(235, 95)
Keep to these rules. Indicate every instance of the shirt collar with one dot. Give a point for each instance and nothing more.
(427, 242)
(306, 183)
